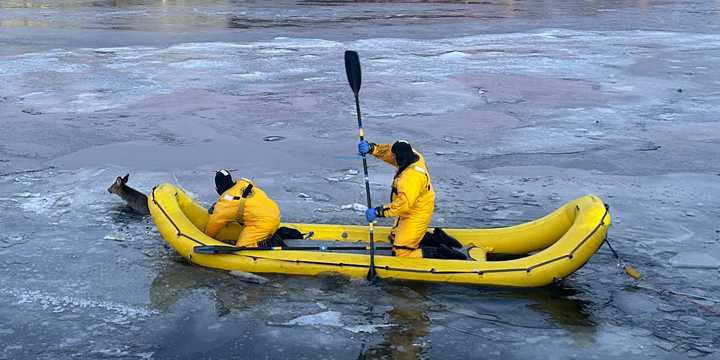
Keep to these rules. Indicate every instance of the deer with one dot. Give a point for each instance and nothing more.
(136, 200)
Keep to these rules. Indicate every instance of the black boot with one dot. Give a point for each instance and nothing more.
(441, 237)
(287, 233)
(442, 252)
(273, 241)
(428, 240)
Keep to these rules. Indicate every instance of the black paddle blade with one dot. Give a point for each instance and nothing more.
(352, 68)
(213, 250)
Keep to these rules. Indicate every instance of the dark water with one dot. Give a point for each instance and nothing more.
(518, 106)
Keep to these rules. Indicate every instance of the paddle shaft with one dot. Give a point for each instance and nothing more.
(354, 75)
(371, 225)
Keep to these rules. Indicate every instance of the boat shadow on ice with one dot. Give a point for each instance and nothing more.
(560, 306)
(392, 319)
(178, 278)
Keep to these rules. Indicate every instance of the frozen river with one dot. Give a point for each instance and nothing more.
(518, 106)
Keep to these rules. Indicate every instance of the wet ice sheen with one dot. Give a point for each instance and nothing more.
(697, 260)
(325, 318)
(156, 71)
(84, 278)
(63, 303)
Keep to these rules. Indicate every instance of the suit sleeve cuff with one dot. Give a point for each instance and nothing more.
(380, 211)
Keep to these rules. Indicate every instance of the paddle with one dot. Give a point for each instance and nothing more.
(628, 269)
(354, 76)
(227, 249)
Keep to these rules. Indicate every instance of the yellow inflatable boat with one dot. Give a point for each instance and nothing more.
(540, 252)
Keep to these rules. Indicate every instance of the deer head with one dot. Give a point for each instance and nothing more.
(119, 184)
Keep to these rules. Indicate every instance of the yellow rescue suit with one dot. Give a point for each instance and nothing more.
(251, 207)
(412, 201)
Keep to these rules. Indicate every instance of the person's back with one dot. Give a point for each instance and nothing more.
(243, 202)
(412, 198)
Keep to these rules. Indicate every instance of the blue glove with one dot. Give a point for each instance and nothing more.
(363, 148)
(370, 214)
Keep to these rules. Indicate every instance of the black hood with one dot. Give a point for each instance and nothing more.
(404, 154)
(223, 181)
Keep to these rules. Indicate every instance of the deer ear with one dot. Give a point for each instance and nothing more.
(125, 179)
(118, 180)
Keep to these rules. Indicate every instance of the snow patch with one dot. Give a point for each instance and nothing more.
(249, 277)
(59, 303)
(453, 55)
(201, 64)
(355, 207)
(332, 318)
(366, 328)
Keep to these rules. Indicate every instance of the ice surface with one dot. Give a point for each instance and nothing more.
(694, 259)
(517, 106)
(355, 207)
(366, 328)
(249, 277)
(69, 303)
(325, 318)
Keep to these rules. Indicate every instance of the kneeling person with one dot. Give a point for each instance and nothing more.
(412, 201)
(247, 204)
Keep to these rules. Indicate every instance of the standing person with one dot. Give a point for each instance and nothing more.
(412, 201)
(247, 204)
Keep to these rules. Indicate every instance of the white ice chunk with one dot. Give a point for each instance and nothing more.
(249, 277)
(355, 207)
(325, 318)
(366, 328)
(114, 237)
